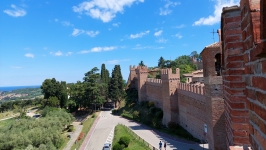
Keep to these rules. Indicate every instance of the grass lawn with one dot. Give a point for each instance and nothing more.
(134, 144)
(85, 129)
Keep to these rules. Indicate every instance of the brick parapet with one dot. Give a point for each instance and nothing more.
(155, 82)
(197, 89)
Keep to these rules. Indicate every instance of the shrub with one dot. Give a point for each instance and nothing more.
(152, 110)
(114, 111)
(151, 104)
(93, 116)
(159, 114)
(124, 140)
(135, 114)
(144, 103)
(70, 128)
(172, 125)
(117, 146)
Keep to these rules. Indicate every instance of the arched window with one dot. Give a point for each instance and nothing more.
(217, 61)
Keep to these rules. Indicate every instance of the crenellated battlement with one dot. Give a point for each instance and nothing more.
(142, 69)
(132, 68)
(152, 81)
(198, 89)
(166, 74)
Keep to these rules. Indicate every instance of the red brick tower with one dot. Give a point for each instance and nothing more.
(170, 99)
(142, 74)
(211, 58)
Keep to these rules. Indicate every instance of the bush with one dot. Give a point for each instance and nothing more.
(159, 114)
(136, 114)
(117, 146)
(93, 116)
(151, 104)
(152, 110)
(124, 140)
(114, 111)
(70, 128)
(144, 103)
(172, 125)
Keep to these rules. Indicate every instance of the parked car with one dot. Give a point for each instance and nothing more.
(107, 146)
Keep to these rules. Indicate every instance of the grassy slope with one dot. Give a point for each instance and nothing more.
(134, 144)
(85, 129)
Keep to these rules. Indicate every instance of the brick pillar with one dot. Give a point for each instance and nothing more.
(169, 92)
(236, 112)
(142, 73)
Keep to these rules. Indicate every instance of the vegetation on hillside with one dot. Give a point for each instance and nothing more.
(21, 94)
(44, 133)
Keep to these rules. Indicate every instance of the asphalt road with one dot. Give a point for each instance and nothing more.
(107, 122)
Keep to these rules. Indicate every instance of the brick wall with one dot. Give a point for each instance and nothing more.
(154, 92)
(236, 110)
(192, 112)
(255, 75)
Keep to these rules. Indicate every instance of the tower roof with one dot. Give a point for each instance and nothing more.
(213, 45)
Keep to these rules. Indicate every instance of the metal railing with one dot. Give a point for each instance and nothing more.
(139, 138)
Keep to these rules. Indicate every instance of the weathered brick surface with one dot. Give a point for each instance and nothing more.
(245, 106)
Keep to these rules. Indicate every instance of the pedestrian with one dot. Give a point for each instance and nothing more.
(160, 145)
(164, 145)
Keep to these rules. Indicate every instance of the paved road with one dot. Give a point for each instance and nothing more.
(107, 122)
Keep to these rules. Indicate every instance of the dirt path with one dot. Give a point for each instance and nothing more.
(74, 135)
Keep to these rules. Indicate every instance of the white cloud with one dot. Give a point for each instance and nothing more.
(216, 17)
(92, 33)
(69, 53)
(179, 36)
(98, 49)
(166, 9)
(29, 55)
(58, 53)
(45, 48)
(158, 33)
(16, 67)
(77, 32)
(26, 48)
(139, 35)
(66, 23)
(180, 26)
(56, 20)
(161, 40)
(16, 12)
(104, 10)
(142, 47)
(116, 61)
(116, 24)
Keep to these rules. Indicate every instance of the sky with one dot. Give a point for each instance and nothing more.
(64, 39)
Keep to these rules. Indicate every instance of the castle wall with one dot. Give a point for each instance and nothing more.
(154, 91)
(192, 109)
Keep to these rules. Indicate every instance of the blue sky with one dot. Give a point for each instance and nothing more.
(65, 38)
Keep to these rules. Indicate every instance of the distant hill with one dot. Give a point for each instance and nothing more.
(21, 94)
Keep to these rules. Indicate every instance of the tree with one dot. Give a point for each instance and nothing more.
(93, 87)
(161, 62)
(116, 86)
(53, 101)
(105, 79)
(141, 63)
